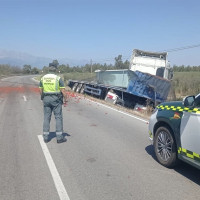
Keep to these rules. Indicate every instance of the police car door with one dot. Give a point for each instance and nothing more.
(190, 131)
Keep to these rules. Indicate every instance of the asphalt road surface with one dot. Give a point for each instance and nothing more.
(107, 155)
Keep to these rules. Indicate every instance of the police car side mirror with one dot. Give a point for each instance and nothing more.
(189, 101)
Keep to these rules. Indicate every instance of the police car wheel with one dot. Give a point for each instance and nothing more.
(165, 147)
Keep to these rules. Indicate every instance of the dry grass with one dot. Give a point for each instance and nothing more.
(186, 83)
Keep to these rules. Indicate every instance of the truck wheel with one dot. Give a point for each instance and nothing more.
(74, 87)
(165, 147)
(78, 88)
(82, 89)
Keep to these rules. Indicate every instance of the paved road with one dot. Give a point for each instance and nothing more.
(107, 155)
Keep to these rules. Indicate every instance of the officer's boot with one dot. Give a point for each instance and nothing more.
(60, 137)
(46, 137)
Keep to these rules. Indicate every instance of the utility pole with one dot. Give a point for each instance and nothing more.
(91, 66)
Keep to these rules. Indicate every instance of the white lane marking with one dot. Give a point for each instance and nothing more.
(54, 172)
(35, 80)
(10, 77)
(5, 78)
(24, 98)
(120, 111)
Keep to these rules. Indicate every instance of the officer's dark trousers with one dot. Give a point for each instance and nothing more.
(52, 103)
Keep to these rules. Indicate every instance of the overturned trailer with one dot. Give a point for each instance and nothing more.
(146, 82)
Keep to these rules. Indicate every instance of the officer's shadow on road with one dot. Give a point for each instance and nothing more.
(182, 168)
(53, 135)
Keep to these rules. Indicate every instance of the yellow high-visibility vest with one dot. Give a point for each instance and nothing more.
(50, 84)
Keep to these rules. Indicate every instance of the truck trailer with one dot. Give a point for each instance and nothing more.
(146, 83)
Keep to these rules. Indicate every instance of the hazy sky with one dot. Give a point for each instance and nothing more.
(101, 29)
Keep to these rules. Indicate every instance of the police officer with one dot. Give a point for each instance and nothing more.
(52, 92)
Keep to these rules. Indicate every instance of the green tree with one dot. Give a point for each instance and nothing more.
(54, 64)
(27, 69)
(45, 70)
(118, 62)
(64, 68)
(35, 70)
(126, 64)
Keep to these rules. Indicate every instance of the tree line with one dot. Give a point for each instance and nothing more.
(9, 70)
(87, 68)
(187, 68)
(118, 64)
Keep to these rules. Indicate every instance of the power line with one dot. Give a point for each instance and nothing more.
(167, 50)
(182, 48)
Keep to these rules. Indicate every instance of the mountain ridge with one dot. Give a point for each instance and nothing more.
(14, 58)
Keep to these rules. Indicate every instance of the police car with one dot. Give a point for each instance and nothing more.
(174, 129)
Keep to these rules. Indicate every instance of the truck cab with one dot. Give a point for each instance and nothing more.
(154, 63)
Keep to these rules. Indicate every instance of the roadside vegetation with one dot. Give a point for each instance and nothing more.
(186, 83)
(7, 70)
